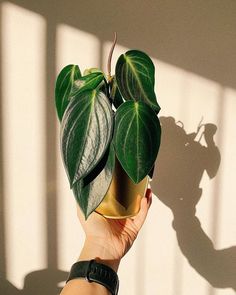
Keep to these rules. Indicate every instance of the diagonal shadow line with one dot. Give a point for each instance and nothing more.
(50, 147)
(176, 34)
(2, 201)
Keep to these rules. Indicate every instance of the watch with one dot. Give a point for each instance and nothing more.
(93, 271)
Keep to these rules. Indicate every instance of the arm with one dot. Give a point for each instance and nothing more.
(107, 241)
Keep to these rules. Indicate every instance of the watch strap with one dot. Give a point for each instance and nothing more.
(93, 271)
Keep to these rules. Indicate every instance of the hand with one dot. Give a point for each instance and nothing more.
(110, 239)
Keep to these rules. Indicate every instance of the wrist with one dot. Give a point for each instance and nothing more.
(95, 249)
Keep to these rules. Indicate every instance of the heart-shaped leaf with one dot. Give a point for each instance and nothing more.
(64, 83)
(90, 191)
(137, 138)
(88, 82)
(135, 78)
(86, 132)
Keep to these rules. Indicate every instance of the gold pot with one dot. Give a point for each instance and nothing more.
(123, 197)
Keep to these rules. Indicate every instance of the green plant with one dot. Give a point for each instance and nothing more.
(103, 117)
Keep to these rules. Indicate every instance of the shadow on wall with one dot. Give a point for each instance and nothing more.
(197, 36)
(181, 163)
(38, 282)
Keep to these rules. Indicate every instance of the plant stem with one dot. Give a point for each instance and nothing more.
(110, 57)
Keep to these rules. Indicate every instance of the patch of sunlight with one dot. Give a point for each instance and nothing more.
(23, 72)
(76, 47)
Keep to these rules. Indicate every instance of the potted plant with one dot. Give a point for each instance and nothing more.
(110, 132)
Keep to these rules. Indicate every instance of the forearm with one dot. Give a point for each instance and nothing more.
(83, 287)
(91, 250)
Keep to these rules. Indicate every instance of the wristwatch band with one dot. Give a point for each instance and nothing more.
(95, 272)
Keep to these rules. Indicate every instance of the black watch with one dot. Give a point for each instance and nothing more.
(95, 272)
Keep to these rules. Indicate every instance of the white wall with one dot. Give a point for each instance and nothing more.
(40, 232)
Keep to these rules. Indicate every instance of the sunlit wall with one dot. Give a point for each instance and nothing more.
(156, 264)
(23, 99)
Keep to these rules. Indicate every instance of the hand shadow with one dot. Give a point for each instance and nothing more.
(44, 281)
(181, 163)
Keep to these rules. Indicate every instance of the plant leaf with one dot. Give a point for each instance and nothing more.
(135, 78)
(90, 193)
(86, 132)
(91, 70)
(137, 138)
(115, 94)
(88, 82)
(64, 83)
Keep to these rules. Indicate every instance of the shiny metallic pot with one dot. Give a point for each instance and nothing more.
(123, 197)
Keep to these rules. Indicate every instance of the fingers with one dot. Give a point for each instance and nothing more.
(145, 205)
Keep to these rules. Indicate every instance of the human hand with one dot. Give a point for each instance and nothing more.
(110, 239)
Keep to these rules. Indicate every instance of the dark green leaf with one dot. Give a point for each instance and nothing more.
(88, 82)
(63, 87)
(135, 78)
(137, 138)
(86, 132)
(115, 94)
(90, 191)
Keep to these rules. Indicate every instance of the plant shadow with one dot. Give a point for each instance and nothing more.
(182, 160)
(44, 281)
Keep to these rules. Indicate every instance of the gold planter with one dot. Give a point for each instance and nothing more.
(123, 197)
